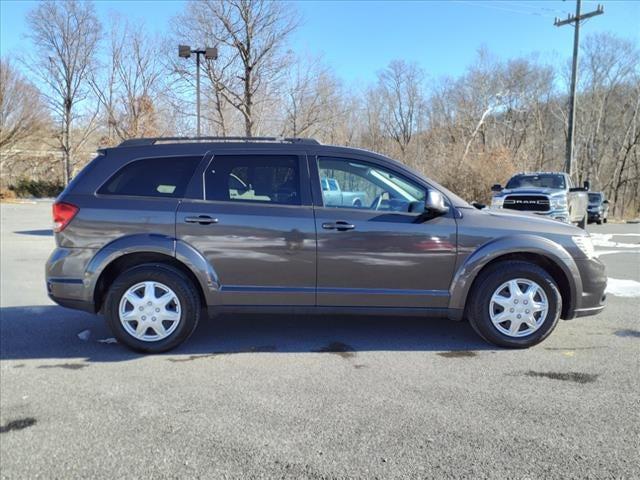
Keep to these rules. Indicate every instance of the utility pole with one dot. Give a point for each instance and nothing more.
(574, 19)
(184, 51)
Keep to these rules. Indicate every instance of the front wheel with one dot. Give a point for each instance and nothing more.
(514, 304)
(152, 308)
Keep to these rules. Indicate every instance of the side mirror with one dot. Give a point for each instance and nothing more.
(587, 185)
(435, 204)
(496, 188)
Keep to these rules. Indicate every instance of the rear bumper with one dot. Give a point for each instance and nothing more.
(74, 304)
(64, 279)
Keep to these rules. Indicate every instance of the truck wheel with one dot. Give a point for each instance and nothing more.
(599, 222)
(514, 304)
(583, 223)
(605, 220)
(152, 308)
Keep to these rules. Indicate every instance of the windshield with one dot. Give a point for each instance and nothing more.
(537, 181)
(594, 197)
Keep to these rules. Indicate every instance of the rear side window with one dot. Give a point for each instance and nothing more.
(152, 177)
(254, 178)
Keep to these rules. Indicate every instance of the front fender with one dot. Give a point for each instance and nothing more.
(494, 249)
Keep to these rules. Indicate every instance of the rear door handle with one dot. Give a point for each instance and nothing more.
(201, 219)
(340, 225)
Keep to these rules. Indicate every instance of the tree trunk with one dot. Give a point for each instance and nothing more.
(66, 142)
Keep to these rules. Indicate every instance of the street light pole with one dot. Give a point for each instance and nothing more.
(198, 94)
(184, 51)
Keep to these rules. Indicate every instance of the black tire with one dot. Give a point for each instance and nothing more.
(599, 222)
(583, 223)
(605, 220)
(490, 280)
(173, 278)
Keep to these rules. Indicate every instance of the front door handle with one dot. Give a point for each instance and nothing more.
(201, 219)
(340, 225)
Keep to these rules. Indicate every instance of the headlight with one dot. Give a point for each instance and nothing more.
(559, 203)
(585, 245)
(497, 202)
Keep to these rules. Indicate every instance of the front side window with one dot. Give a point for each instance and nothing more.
(152, 177)
(354, 184)
(254, 178)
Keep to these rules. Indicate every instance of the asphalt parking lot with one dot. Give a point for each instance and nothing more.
(300, 397)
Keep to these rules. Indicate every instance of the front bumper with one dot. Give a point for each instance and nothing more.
(594, 215)
(592, 299)
(561, 215)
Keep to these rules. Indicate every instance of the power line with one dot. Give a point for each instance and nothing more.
(537, 6)
(504, 9)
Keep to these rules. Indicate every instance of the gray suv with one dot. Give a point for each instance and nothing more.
(157, 232)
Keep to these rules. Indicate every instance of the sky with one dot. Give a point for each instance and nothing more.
(359, 38)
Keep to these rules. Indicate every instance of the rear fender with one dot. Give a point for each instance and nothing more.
(151, 243)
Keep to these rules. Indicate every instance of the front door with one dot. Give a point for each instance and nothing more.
(255, 226)
(372, 250)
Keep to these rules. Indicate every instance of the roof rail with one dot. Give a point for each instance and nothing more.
(137, 142)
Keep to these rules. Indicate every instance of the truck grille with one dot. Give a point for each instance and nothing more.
(529, 203)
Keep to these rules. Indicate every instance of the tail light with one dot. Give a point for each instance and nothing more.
(63, 213)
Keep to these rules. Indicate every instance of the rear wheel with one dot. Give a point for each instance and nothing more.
(514, 304)
(152, 308)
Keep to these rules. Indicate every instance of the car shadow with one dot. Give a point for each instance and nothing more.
(38, 233)
(52, 332)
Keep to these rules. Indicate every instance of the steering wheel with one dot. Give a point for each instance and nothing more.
(377, 202)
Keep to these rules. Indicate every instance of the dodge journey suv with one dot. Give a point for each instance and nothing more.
(157, 232)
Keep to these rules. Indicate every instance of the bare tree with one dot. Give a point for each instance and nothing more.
(400, 89)
(21, 112)
(133, 84)
(250, 42)
(311, 99)
(66, 34)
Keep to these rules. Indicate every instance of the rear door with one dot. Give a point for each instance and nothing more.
(377, 254)
(255, 226)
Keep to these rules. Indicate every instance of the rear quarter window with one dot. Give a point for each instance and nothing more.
(152, 177)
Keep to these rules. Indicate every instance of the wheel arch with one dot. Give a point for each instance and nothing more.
(543, 252)
(130, 251)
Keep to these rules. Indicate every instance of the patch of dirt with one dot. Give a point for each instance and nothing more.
(458, 354)
(342, 349)
(19, 424)
(576, 377)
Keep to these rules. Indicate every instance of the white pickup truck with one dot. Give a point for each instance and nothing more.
(334, 196)
(544, 193)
